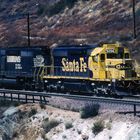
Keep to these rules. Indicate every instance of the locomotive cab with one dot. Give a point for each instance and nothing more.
(111, 61)
(95, 69)
(118, 62)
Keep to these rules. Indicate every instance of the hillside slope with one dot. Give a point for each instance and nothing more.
(69, 22)
(31, 122)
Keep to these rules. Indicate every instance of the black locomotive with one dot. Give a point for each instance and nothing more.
(17, 66)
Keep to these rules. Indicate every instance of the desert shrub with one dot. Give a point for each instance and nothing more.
(49, 124)
(68, 125)
(42, 106)
(126, 37)
(44, 137)
(89, 110)
(15, 134)
(64, 136)
(8, 103)
(74, 109)
(104, 11)
(16, 103)
(46, 119)
(55, 8)
(23, 114)
(4, 103)
(32, 112)
(108, 126)
(41, 10)
(98, 127)
(58, 7)
(79, 131)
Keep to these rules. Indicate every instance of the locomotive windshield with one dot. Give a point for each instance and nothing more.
(111, 55)
(126, 55)
(117, 53)
(118, 56)
(114, 56)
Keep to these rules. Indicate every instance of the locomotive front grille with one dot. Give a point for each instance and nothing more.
(128, 74)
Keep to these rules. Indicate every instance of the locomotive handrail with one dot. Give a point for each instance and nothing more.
(17, 73)
(57, 70)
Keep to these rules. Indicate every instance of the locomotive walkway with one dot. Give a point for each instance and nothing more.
(41, 97)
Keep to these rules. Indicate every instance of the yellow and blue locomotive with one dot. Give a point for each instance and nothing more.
(106, 69)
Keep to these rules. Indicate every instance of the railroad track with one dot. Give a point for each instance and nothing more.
(41, 97)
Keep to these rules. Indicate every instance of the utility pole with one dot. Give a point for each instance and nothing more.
(134, 20)
(28, 21)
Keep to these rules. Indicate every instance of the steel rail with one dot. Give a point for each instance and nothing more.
(79, 97)
(132, 102)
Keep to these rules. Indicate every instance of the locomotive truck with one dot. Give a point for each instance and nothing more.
(92, 69)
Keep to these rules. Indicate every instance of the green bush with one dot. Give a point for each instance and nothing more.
(4, 103)
(59, 6)
(108, 126)
(16, 103)
(55, 8)
(41, 10)
(42, 106)
(44, 137)
(8, 103)
(23, 114)
(32, 112)
(15, 134)
(89, 110)
(68, 125)
(49, 124)
(98, 127)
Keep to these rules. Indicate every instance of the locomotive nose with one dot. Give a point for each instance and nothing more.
(121, 69)
(124, 66)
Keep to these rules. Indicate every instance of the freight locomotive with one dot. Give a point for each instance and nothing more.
(103, 70)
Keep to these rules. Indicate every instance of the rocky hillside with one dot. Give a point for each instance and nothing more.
(32, 122)
(69, 22)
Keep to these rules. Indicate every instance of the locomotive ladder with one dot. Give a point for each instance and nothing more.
(38, 76)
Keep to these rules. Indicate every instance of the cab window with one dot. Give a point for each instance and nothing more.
(119, 56)
(102, 57)
(115, 56)
(111, 55)
(95, 58)
(126, 55)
